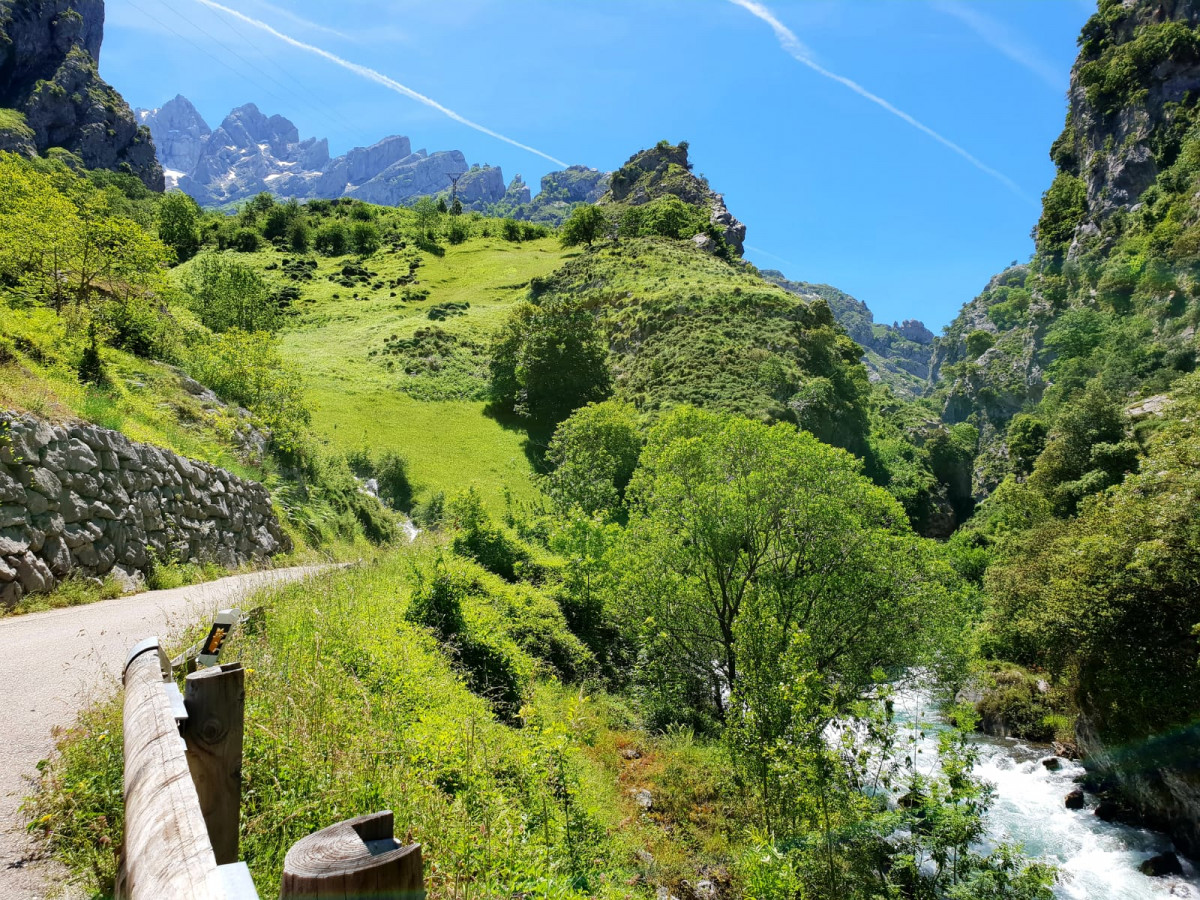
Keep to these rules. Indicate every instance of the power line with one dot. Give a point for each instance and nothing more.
(330, 113)
(303, 101)
(203, 50)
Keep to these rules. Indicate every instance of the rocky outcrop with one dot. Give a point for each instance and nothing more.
(80, 499)
(1153, 783)
(1124, 104)
(49, 58)
(250, 152)
(560, 193)
(665, 169)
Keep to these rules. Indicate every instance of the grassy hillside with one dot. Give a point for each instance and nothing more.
(343, 339)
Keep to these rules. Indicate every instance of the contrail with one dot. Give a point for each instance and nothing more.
(1005, 40)
(801, 54)
(379, 78)
(299, 20)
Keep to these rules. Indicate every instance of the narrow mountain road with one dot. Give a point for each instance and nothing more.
(52, 665)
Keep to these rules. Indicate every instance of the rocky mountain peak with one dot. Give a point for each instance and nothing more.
(180, 136)
(251, 152)
(49, 58)
(665, 169)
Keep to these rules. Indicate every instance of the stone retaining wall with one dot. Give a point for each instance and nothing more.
(79, 499)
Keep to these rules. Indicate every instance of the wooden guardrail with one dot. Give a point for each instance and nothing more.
(183, 764)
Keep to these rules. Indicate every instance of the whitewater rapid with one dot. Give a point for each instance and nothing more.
(1096, 860)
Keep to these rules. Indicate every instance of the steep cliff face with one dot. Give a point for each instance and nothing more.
(1111, 293)
(181, 135)
(49, 58)
(251, 152)
(1139, 63)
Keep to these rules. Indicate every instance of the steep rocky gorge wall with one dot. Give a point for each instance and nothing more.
(1156, 782)
(78, 499)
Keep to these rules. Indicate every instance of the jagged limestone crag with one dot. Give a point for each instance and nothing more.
(898, 355)
(1113, 139)
(79, 499)
(250, 152)
(560, 193)
(49, 74)
(665, 169)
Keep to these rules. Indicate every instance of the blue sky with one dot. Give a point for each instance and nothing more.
(834, 186)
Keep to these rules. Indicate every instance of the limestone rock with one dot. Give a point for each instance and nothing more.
(665, 170)
(250, 152)
(85, 500)
(180, 134)
(1074, 800)
(49, 58)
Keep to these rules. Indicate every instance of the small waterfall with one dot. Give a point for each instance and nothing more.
(1097, 860)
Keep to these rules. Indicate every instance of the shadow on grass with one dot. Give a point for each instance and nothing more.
(537, 434)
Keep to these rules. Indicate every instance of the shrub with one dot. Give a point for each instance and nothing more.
(364, 237)
(246, 240)
(436, 603)
(333, 239)
(480, 539)
(299, 237)
(227, 294)
(459, 231)
(979, 342)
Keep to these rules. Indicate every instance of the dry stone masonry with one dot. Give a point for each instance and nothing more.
(82, 499)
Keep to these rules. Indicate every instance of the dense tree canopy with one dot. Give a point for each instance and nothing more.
(731, 517)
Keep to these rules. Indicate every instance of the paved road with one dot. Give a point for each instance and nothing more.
(52, 664)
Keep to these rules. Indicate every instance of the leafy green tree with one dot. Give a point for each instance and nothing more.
(1086, 452)
(594, 454)
(332, 239)
(548, 361)
(585, 224)
(428, 215)
(299, 236)
(226, 294)
(1111, 595)
(280, 218)
(364, 237)
(978, 342)
(63, 240)
(179, 224)
(725, 511)
(1026, 441)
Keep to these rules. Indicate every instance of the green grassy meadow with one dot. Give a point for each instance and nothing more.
(357, 400)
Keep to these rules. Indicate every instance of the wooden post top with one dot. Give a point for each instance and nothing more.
(358, 859)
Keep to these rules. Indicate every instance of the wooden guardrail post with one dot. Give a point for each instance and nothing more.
(167, 853)
(353, 860)
(215, 700)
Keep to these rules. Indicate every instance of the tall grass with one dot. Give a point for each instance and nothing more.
(352, 709)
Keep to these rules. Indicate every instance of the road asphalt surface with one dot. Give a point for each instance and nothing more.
(52, 665)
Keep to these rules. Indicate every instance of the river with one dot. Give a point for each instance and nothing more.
(1097, 860)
